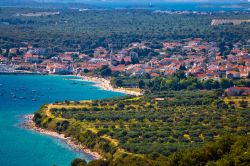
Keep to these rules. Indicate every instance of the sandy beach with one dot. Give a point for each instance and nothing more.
(106, 85)
(29, 124)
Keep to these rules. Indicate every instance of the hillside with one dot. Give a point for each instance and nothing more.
(146, 129)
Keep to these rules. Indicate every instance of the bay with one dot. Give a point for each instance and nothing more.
(24, 94)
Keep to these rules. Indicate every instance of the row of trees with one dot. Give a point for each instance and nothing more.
(155, 126)
(178, 81)
(161, 122)
(227, 150)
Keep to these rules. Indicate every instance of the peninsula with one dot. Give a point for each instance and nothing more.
(122, 130)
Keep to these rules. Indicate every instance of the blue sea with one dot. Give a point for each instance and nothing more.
(207, 6)
(24, 94)
(177, 6)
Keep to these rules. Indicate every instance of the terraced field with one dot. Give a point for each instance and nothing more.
(146, 125)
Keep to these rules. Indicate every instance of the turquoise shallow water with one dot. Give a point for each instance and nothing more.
(21, 147)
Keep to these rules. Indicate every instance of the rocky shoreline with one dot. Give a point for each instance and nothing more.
(99, 82)
(29, 124)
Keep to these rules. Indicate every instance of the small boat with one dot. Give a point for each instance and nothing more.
(33, 91)
(74, 82)
(33, 99)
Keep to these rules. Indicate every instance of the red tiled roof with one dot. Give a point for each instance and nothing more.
(154, 75)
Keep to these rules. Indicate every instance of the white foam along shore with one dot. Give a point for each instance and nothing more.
(29, 124)
(105, 84)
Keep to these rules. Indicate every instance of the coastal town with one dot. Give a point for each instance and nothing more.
(124, 82)
(201, 59)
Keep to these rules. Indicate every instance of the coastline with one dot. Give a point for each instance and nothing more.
(101, 83)
(21, 73)
(30, 125)
(105, 84)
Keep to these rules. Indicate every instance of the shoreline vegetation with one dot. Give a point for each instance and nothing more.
(30, 125)
(101, 83)
(121, 130)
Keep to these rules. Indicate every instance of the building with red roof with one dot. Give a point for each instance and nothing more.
(238, 91)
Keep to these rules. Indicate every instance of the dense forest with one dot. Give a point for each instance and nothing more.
(150, 128)
(74, 30)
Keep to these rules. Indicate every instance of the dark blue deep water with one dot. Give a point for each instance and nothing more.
(21, 147)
